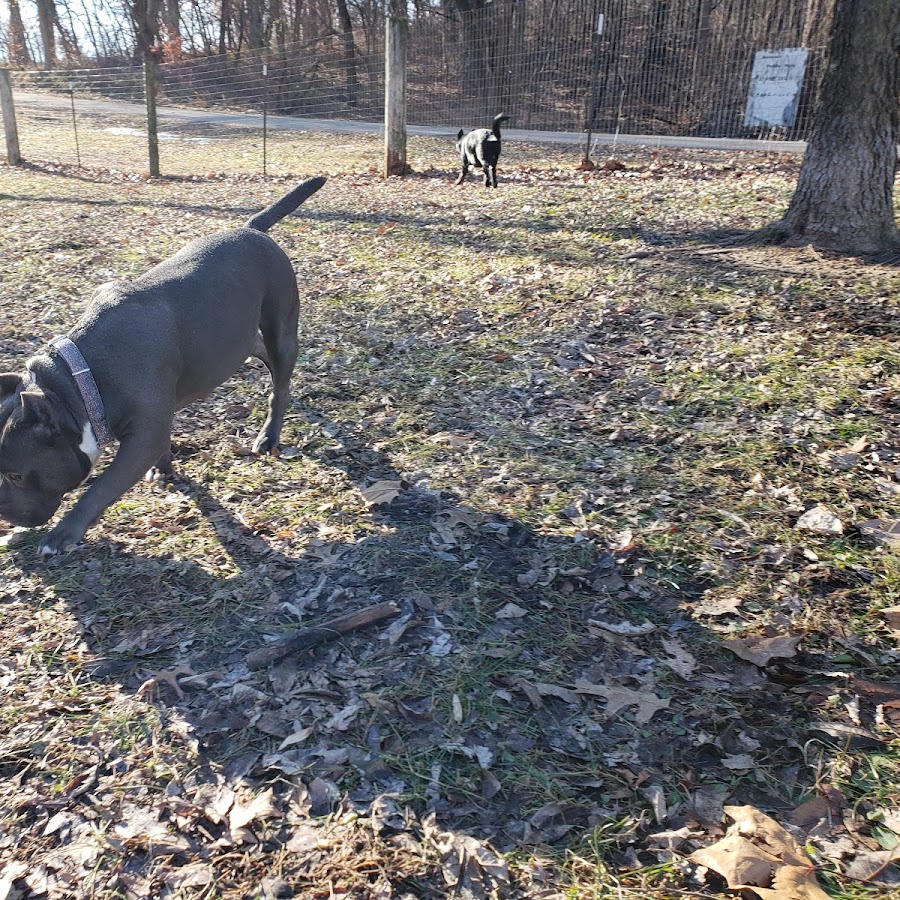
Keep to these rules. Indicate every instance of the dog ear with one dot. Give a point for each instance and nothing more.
(10, 382)
(459, 134)
(38, 411)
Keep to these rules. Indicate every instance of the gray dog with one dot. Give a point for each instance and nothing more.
(480, 149)
(141, 351)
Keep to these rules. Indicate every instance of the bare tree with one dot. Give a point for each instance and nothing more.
(254, 11)
(349, 51)
(17, 47)
(145, 19)
(46, 14)
(224, 25)
(171, 21)
(844, 195)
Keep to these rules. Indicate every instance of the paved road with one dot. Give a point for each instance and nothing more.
(340, 126)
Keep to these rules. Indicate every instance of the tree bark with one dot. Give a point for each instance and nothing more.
(307, 638)
(48, 39)
(17, 47)
(171, 14)
(396, 44)
(224, 19)
(349, 52)
(844, 195)
(256, 36)
(8, 110)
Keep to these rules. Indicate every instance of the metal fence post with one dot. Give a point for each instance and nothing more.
(396, 42)
(265, 111)
(13, 157)
(150, 99)
(592, 99)
(74, 123)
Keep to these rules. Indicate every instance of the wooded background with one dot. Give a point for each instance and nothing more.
(664, 67)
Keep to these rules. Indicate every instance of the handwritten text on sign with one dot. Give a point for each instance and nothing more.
(775, 84)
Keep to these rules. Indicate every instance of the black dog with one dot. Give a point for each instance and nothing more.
(480, 149)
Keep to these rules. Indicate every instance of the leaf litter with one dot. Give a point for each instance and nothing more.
(578, 451)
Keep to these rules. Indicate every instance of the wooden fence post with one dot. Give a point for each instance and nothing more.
(13, 157)
(150, 99)
(396, 42)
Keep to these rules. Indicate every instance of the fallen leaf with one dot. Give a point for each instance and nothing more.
(672, 840)
(621, 540)
(553, 690)
(193, 875)
(298, 737)
(758, 855)
(624, 628)
(881, 532)
(892, 617)
(618, 697)
(11, 872)
(511, 611)
(454, 441)
(739, 762)
(820, 520)
(717, 606)
(875, 867)
(680, 660)
(838, 460)
(342, 719)
(381, 492)
(260, 807)
(884, 693)
(762, 650)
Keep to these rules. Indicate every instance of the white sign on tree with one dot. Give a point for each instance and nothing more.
(775, 84)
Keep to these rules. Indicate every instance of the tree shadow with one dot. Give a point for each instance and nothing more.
(467, 585)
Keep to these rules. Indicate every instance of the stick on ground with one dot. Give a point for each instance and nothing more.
(306, 638)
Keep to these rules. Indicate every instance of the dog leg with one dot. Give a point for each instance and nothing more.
(137, 453)
(493, 175)
(462, 174)
(280, 356)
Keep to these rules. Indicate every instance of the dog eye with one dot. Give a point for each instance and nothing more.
(12, 477)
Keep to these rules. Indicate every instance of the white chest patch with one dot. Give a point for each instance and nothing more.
(89, 446)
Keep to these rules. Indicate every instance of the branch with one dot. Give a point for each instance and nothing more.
(306, 638)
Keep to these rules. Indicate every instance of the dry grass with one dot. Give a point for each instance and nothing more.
(603, 420)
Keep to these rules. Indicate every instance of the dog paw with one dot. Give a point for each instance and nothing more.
(60, 540)
(266, 443)
(49, 547)
(266, 448)
(157, 476)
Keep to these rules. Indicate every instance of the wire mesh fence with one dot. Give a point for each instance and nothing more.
(658, 68)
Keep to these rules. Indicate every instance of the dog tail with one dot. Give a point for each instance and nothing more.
(264, 220)
(497, 120)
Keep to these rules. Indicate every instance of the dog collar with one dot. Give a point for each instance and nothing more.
(87, 387)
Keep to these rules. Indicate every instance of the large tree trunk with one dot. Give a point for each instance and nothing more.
(46, 14)
(256, 36)
(349, 52)
(224, 21)
(171, 15)
(844, 196)
(145, 19)
(16, 46)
